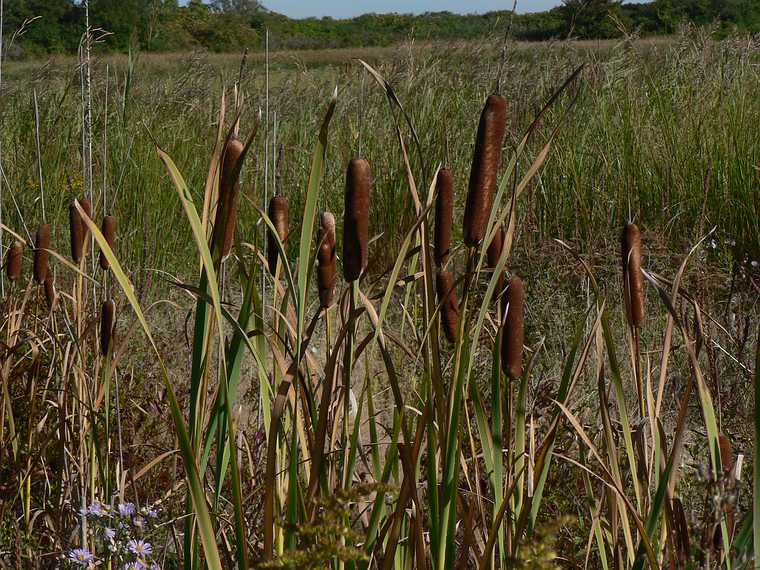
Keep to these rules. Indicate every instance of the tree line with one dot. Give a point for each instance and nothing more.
(55, 26)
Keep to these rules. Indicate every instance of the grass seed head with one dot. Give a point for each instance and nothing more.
(513, 329)
(78, 229)
(447, 297)
(229, 195)
(109, 232)
(633, 281)
(107, 323)
(15, 262)
(356, 219)
(326, 260)
(485, 168)
(278, 213)
(41, 255)
(444, 216)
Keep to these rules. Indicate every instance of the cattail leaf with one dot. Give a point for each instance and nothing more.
(212, 285)
(310, 211)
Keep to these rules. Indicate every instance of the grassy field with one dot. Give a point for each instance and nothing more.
(266, 430)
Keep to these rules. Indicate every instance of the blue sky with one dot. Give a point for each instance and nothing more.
(350, 8)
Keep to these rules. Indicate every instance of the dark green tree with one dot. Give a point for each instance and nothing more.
(588, 19)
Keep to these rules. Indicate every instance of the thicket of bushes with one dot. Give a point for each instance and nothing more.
(230, 25)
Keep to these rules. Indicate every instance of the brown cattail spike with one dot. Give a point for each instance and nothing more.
(229, 195)
(15, 262)
(41, 255)
(109, 232)
(444, 216)
(278, 213)
(356, 219)
(78, 229)
(513, 329)
(447, 298)
(633, 282)
(51, 297)
(485, 167)
(107, 322)
(326, 260)
(493, 254)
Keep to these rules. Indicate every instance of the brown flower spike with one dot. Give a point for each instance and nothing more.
(447, 297)
(513, 329)
(41, 255)
(356, 219)
(633, 281)
(326, 260)
(78, 229)
(485, 167)
(444, 216)
(15, 262)
(278, 213)
(108, 229)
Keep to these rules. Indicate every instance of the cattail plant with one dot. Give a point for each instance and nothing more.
(107, 322)
(51, 297)
(513, 329)
(356, 219)
(447, 297)
(41, 246)
(109, 232)
(278, 213)
(78, 229)
(485, 166)
(326, 260)
(493, 254)
(633, 283)
(444, 216)
(15, 262)
(229, 196)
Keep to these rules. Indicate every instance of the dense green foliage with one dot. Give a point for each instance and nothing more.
(55, 26)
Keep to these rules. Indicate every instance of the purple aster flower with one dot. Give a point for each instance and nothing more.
(109, 533)
(126, 509)
(81, 557)
(139, 548)
(96, 508)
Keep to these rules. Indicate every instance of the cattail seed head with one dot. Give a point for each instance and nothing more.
(278, 213)
(51, 297)
(356, 219)
(326, 259)
(447, 298)
(15, 262)
(41, 255)
(726, 454)
(229, 195)
(513, 329)
(493, 254)
(107, 323)
(109, 232)
(485, 167)
(633, 282)
(78, 229)
(444, 216)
